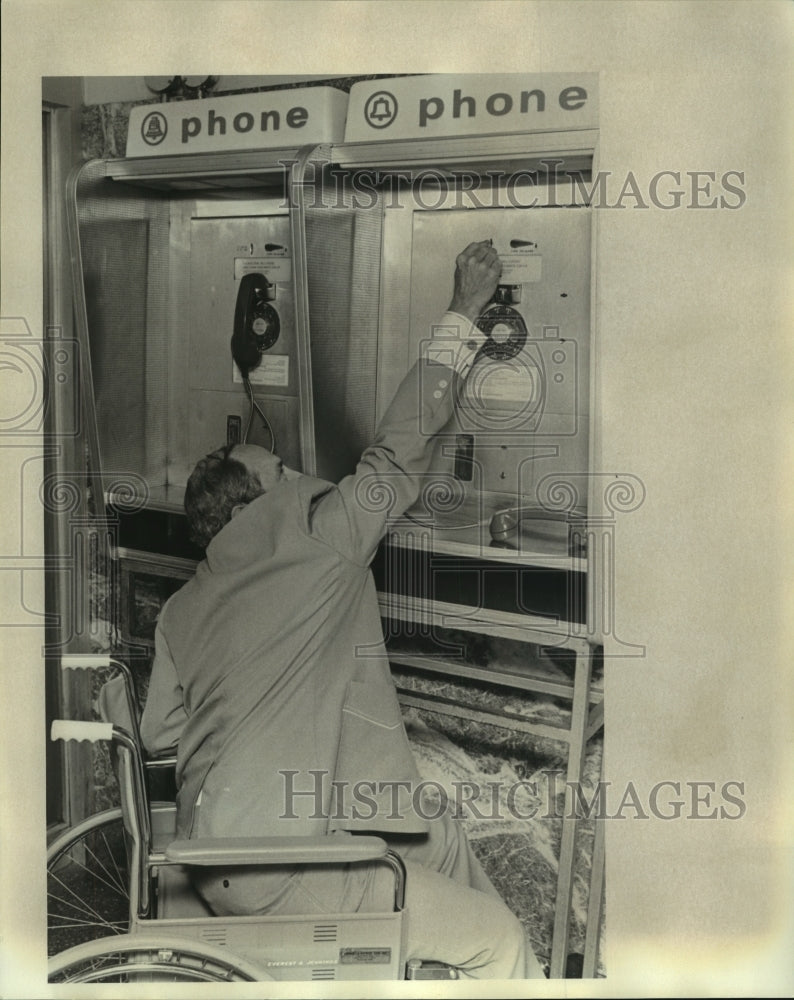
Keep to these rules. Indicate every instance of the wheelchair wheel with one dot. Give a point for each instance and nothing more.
(135, 958)
(87, 883)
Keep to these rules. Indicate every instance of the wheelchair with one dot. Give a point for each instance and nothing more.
(122, 908)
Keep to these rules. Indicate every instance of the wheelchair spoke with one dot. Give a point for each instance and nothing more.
(70, 905)
(112, 927)
(112, 870)
(100, 872)
(87, 895)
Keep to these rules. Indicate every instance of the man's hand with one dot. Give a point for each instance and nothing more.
(476, 276)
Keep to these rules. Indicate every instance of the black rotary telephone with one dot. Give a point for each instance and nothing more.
(503, 325)
(256, 322)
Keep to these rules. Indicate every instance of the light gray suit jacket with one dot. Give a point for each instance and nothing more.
(270, 670)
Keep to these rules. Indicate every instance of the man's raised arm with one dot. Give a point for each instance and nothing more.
(388, 477)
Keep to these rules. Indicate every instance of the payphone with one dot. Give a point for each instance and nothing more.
(522, 413)
(166, 250)
(251, 316)
(256, 322)
(174, 259)
(241, 333)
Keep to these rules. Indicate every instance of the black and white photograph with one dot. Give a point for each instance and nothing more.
(395, 435)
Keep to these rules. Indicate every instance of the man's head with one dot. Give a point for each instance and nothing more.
(224, 482)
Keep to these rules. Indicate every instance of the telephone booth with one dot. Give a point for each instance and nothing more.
(325, 248)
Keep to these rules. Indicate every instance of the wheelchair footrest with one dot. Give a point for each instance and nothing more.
(418, 969)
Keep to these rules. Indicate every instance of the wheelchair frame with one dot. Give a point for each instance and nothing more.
(170, 933)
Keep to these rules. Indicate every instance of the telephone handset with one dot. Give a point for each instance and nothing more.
(256, 322)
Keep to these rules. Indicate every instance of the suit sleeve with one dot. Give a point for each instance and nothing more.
(388, 478)
(164, 715)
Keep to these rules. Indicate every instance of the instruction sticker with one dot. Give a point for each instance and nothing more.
(520, 268)
(508, 386)
(275, 268)
(272, 370)
(513, 381)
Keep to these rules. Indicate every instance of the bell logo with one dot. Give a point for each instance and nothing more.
(154, 128)
(381, 109)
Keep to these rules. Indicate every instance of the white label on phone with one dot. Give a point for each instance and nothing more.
(272, 370)
(275, 268)
(520, 268)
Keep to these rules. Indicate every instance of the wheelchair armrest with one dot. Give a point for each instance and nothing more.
(166, 759)
(339, 848)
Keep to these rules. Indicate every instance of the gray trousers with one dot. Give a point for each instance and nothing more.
(453, 913)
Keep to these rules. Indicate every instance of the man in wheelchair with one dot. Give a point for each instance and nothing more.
(271, 677)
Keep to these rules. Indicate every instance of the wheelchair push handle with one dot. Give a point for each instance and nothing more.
(94, 732)
(85, 661)
(128, 712)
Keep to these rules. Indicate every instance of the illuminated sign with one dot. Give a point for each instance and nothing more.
(430, 106)
(295, 117)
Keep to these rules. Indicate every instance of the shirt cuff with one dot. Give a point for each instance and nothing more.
(454, 342)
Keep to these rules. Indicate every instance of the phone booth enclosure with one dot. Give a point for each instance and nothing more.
(126, 277)
(160, 270)
(344, 264)
(381, 275)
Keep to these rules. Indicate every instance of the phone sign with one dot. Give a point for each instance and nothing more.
(154, 128)
(475, 104)
(381, 109)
